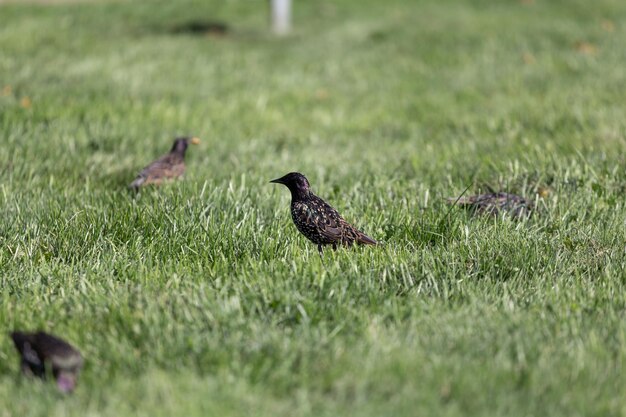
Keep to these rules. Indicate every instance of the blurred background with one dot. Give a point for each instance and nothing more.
(411, 86)
(200, 297)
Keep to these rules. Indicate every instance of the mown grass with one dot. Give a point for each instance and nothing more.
(200, 298)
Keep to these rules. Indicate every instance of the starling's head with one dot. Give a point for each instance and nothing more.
(296, 182)
(180, 144)
(66, 380)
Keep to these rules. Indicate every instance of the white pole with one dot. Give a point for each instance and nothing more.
(281, 16)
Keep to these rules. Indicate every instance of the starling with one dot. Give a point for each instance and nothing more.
(496, 203)
(316, 219)
(41, 351)
(167, 167)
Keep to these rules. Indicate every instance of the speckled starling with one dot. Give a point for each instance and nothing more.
(42, 353)
(167, 167)
(316, 219)
(496, 203)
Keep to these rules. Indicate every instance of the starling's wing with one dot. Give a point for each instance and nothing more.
(326, 219)
(352, 234)
(515, 205)
(30, 357)
(166, 167)
(487, 203)
(61, 354)
(334, 228)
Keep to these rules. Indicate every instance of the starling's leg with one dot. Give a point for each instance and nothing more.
(26, 368)
(334, 246)
(320, 250)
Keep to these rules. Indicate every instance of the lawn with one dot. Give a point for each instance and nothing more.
(200, 298)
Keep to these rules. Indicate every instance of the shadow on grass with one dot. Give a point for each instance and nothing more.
(118, 180)
(201, 28)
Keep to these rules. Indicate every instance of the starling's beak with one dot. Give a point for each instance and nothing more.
(278, 181)
(195, 140)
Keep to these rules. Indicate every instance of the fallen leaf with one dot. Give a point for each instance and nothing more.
(586, 48)
(321, 94)
(608, 25)
(26, 103)
(543, 192)
(444, 391)
(528, 58)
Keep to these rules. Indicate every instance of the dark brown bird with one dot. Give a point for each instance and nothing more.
(167, 167)
(496, 203)
(317, 220)
(42, 352)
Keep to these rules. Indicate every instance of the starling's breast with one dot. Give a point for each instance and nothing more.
(305, 218)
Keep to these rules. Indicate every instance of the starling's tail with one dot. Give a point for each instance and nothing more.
(137, 183)
(364, 239)
(20, 339)
(461, 201)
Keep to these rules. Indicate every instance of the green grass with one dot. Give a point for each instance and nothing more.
(200, 298)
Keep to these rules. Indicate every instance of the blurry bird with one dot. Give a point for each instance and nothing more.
(43, 352)
(317, 220)
(496, 203)
(168, 166)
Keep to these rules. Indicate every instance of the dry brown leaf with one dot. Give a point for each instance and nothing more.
(586, 48)
(321, 94)
(543, 192)
(528, 58)
(26, 103)
(608, 25)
